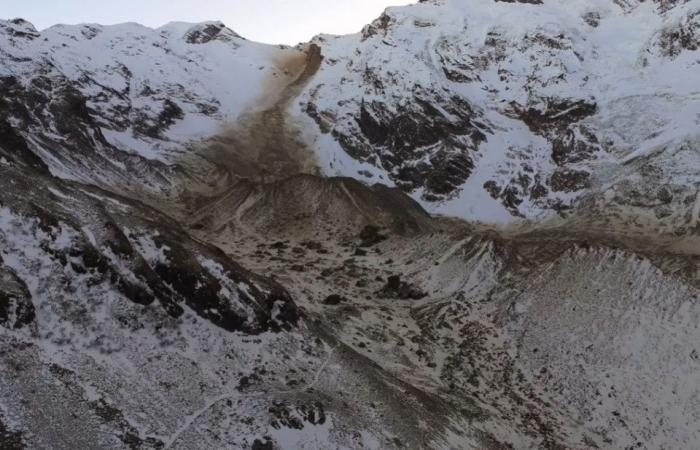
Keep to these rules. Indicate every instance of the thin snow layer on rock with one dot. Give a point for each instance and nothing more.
(131, 74)
(101, 362)
(615, 340)
(29, 251)
(150, 251)
(508, 61)
(230, 289)
(491, 111)
(26, 249)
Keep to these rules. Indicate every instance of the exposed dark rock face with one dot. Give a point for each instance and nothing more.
(333, 300)
(379, 26)
(370, 236)
(568, 180)
(260, 445)
(554, 114)
(567, 148)
(285, 415)
(10, 439)
(402, 135)
(19, 28)
(202, 34)
(201, 290)
(398, 140)
(393, 283)
(396, 288)
(183, 278)
(127, 433)
(592, 18)
(143, 254)
(572, 143)
(14, 147)
(510, 196)
(165, 119)
(666, 5)
(49, 101)
(16, 308)
(683, 37)
(557, 120)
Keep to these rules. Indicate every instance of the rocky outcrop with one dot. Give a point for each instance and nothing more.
(90, 237)
(484, 83)
(207, 32)
(399, 142)
(16, 307)
(680, 37)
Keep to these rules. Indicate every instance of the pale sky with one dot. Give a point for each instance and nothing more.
(270, 21)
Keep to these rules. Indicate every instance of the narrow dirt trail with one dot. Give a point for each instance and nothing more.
(214, 401)
(264, 146)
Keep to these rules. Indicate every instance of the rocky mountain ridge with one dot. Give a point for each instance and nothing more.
(525, 104)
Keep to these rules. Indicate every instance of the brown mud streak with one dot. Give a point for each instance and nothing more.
(263, 146)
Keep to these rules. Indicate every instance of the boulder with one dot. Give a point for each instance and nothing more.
(333, 300)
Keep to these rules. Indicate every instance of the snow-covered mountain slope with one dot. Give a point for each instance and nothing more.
(493, 110)
(176, 271)
(486, 110)
(117, 106)
(546, 340)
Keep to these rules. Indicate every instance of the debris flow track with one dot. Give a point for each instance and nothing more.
(264, 145)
